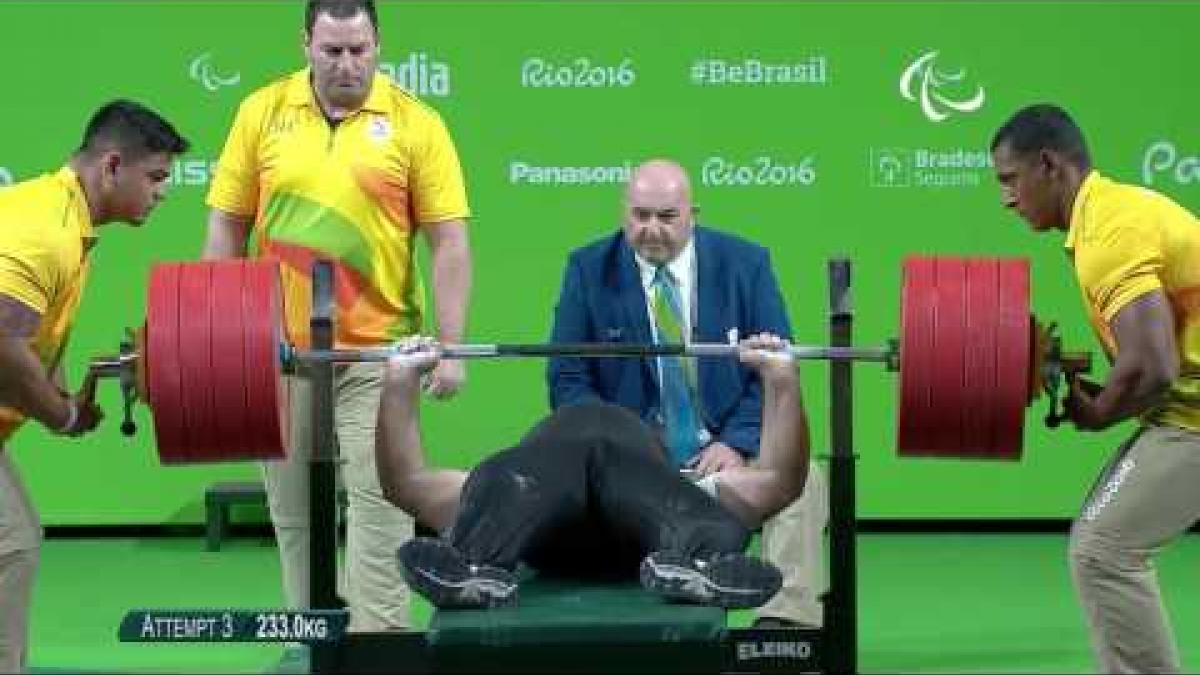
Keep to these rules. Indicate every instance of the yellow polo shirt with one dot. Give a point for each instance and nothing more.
(1126, 241)
(45, 234)
(354, 192)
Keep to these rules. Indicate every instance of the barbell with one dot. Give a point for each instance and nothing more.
(210, 359)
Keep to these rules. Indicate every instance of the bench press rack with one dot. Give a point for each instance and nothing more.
(831, 649)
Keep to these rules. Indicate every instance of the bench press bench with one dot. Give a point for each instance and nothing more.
(584, 627)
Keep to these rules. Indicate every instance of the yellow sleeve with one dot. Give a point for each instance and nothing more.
(234, 186)
(437, 184)
(29, 274)
(1124, 263)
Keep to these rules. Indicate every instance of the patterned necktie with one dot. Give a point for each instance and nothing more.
(678, 385)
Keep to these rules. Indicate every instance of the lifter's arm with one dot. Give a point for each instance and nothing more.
(430, 495)
(758, 491)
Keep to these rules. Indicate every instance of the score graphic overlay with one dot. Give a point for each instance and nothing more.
(232, 625)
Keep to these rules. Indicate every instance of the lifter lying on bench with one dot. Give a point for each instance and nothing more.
(589, 492)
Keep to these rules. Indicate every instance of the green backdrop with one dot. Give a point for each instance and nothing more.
(795, 119)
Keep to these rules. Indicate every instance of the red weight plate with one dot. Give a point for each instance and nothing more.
(164, 387)
(946, 378)
(979, 384)
(266, 395)
(232, 422)
(1012, 358)
(917, 308)
(196, 361)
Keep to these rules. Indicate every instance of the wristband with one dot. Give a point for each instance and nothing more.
(71, 419)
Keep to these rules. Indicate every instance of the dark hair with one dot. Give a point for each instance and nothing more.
(339, 9)
(134, 129)
(1043, 126)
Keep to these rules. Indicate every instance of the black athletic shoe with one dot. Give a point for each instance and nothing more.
(731, 580)
(443, 576)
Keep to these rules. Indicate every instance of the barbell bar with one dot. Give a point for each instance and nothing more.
(584, 350)
(210, 359)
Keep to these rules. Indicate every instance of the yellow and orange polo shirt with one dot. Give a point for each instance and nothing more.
(354, 192)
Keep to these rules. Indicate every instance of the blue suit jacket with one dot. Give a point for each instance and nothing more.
(602, 300)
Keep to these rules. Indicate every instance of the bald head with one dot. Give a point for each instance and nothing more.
(658, 210)
(659, 176)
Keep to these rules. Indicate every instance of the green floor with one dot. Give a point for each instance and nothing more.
(927, 603)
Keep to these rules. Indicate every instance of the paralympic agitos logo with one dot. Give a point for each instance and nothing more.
(203, 71)
(940, 93)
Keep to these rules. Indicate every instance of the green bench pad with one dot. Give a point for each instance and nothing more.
(554, 611)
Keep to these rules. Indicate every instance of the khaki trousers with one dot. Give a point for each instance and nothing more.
(794, 541)
(20, 541)
(1147, 496)
(370, 583)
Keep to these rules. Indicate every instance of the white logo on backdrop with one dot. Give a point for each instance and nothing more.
(895, 167)
(760, 171)
(6, 177)
(891, 167)
(582, 72)
(525, 173)
(709, 71)
(203, 71)
(419, 73)
(192, 172)
(1163, 158)
(922, 81)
